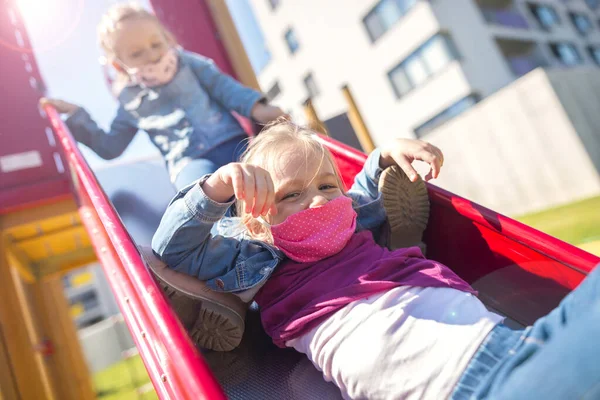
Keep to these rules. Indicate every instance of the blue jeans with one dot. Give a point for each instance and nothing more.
(556, 358)
(223, 154)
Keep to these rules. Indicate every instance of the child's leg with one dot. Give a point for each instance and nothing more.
(560, 357)
(214, 320)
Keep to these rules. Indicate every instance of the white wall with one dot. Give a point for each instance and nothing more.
(483, 63)
(579, 92)
(105, 342)
(515, 152)
(335, 47)
(518, 151)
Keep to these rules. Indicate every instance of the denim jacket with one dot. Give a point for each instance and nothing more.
(185, 118)
(231, 261)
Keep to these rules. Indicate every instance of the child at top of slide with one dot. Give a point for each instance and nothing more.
(179, 98)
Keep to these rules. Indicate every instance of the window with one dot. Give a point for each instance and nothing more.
(582, 23)
(454, 110)
(546, 16)
(311, 86)
(427, 60)
(292, 41)
(593, 4)
(567, 53)
(273, 92)
(274, 4)
(509, 17)
(384, 15)
(595, 53)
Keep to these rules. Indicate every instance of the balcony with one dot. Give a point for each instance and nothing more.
(522, 65)
(497, 4)
(522, 56)
(505, 17)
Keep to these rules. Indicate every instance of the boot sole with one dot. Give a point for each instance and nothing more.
(407, 207)
(214, 326)
(214, 320)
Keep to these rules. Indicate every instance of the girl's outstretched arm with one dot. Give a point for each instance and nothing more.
(107, 145)
(230, 93)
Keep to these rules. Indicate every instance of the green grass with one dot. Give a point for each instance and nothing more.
(575, 223)
(118, 381)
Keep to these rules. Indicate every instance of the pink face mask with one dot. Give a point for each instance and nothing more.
(159, 73)
(316, 233)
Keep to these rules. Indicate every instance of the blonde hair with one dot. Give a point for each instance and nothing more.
(265, 150)
(109, 24)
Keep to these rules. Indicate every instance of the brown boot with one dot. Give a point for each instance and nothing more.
(213, 320)
(407, 206)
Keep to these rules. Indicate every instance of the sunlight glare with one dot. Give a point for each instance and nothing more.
(38, 12)
(49, 23)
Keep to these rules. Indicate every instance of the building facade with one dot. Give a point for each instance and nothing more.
(412, 65)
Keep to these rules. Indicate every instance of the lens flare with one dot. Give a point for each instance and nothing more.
(40, 25)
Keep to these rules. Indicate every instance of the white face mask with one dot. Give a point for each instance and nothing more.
(159, 73)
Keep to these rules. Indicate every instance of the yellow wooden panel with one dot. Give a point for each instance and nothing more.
(68, 245)
(66, 262)
(76, 310)
(34, 253)
(357, 121)
(81, 279)
(34, 332)
(8, 386)
(25, 365)
(67, 364)
(18, 259)
(23, 231)
(85, 241)
(36, 214)
(55, 243)
(44, 226)
(234, 47)
(59, 222)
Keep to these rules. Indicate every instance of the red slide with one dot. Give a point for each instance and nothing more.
(520, 272)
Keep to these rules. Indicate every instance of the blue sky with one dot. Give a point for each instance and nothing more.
(63, 36)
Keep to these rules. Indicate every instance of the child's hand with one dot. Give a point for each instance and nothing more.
(247, 182)
(265, 113)
(61, 106)
(404, 151)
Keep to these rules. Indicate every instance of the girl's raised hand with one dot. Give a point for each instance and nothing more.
(61, 106)
(404, 151)
(265, 113)
(246, 182)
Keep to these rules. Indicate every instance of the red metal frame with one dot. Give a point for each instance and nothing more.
(350, 162)
(532, 271)
(175, 367)
(524, 272)
(474, 241)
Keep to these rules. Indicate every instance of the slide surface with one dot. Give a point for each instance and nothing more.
(508, 262)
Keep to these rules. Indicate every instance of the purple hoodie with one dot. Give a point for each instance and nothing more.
(299, 296)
